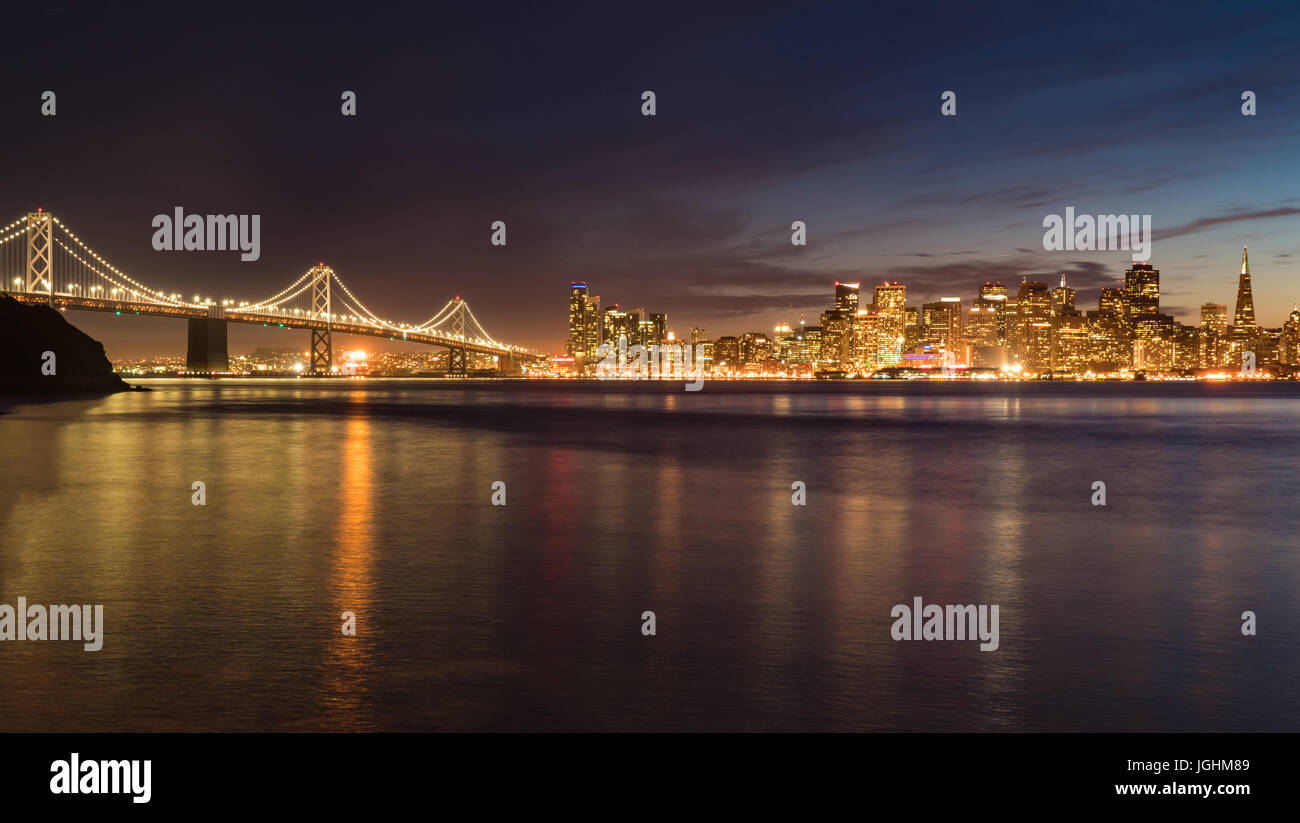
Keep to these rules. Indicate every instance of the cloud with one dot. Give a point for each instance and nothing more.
(1206, 223)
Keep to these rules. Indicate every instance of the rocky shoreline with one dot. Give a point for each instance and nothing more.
(42, 355)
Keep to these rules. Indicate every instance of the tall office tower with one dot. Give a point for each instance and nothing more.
(576, 342)
(1186, 341)
(646, 333)
(1113, 307)
(755, 350)
(812, 337)
(1142, 291)
(781, 337)
(869, 331)
(1062, 298)
(982, 322)
(1071, 342)
(912, 329)
(1244, 317)
(786, 342)
(1214, 317)
(1214, 328)
(659, 326)
(981, 336)
(615, 324)
(1031, 327)
(591, 334)
(891, 306)
(846, 297)
(804, 348)
(1268, 347)
(837, 341)
(1109, 349)
(634, 327)
(1112, 302)
(942, 319)
(1289, 345)
(703, 349)
(726, 354)
(1153, 342)
(996, 293)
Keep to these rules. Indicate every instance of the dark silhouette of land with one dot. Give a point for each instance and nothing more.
(29, 334)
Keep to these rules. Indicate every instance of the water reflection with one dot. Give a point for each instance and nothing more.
(374, 498)
(346, 691)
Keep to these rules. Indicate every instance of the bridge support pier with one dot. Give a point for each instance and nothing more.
(506, 365)
(207, 351)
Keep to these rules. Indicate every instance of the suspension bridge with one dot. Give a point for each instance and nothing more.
(43, 261)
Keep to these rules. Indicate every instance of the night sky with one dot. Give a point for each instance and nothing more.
(766, 115)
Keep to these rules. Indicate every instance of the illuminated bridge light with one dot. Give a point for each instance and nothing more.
(100, 281)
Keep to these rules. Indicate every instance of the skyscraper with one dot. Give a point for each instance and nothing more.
(659, 329)
(1142, 291)
(1244, 317)
(755, 350)
(1214, 317)
(1111, 302)
(1214, 326)
(1289, 345)
(846, 297)
(726, 354)
(1031, 327)
(577, 318)
(783, 337)
(1071, 341)
(591, 332)
(584, 327)
(891, 299)
(911, 328)
(982, 323)
(942, 320)
(996, 293)
(616, 324)
(804, 348)
(837, 339)
(868, 331)
(646, 334)
(1062, 298)
(703, 349)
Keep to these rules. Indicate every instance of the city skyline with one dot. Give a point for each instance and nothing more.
(1243, 306)
(1031, 329)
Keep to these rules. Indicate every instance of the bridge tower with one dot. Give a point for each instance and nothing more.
(322, 347)
(456, 359)
(40, 249)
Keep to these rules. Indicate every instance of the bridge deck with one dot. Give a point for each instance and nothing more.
(68, 301)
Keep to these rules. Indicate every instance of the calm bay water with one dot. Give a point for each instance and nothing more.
(374, 497)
